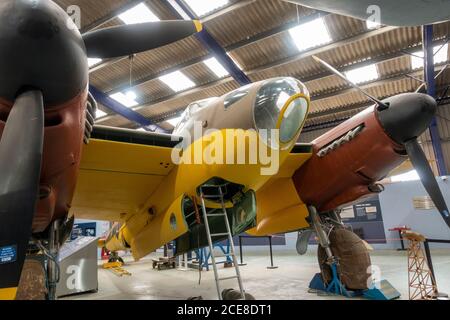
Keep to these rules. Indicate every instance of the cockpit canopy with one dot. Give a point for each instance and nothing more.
(193, 108)
(282, 104)
(277, 108)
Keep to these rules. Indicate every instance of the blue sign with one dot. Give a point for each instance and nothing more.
(8, 254)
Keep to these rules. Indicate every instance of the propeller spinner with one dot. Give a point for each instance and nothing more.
(404, 118)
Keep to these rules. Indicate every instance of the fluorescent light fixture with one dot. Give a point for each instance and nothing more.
(310, 34)
(100, 114)
(439, 57)
(128, 99)
(203, 7)
(408, 176)
(131, 95)
(138, 14)
(372, 24)
(93, 61)
(216, 67)
(363, 74)
(175, 121)
(177, 81)
(178, 9)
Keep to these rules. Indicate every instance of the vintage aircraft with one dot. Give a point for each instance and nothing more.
(152, 183)
(134, 177)
(46, 113)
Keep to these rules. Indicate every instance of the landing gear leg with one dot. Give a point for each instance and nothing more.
(324, 241)
(114, 257)
(335, 286)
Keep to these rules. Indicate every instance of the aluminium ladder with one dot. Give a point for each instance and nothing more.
(206, 215)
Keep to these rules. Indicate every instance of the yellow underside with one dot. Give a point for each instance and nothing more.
(279, 209)
(141, 187)
(8, 294)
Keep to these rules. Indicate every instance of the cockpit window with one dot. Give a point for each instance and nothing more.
(235, 96)
(193, 108)
(281, 104)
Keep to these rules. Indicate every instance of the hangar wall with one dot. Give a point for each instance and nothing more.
(398, 210)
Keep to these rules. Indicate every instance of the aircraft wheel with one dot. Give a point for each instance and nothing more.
(353, 257)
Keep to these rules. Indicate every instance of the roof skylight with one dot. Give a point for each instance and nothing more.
(128, 99)
(138, 14)
(214, 65)
(310, 34)
(177, 81)
(203, 7)
(363, 74)
(439, 57)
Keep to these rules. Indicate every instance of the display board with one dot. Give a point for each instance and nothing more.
(247, 240)
(366, 220)
(83, 230)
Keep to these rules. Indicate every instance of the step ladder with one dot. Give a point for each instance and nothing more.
(206, 215)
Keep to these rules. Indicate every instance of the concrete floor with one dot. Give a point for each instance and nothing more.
(289, 282)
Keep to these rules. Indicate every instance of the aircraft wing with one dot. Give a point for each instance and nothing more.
(119, 170)
(393, 13)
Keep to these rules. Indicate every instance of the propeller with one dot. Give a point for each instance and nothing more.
(135, 38)
(420, 163)
(21, 149)
(437, 76)
(404, 118)
(381, 105)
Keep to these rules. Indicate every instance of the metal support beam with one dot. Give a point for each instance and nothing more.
(431, 89)
(213, 46)
(239, 45)
(292, 59)
(124, 111)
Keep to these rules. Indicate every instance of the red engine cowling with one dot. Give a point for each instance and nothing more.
(64, 132)
(347, 162)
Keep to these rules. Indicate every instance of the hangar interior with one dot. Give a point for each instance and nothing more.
(244, 42)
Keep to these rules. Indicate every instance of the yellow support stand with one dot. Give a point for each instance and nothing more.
(116, 268)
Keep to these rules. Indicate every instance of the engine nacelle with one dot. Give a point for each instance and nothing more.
(347, 162)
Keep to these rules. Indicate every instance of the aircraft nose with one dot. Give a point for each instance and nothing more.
(281, 104)
(408, 116)
(40, 48)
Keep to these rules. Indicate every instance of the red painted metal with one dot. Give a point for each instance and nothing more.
(63, 141)
(346, 173)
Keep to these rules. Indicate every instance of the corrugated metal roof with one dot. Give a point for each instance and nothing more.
(274, 54)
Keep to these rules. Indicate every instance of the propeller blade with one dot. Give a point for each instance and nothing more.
(126, 40)
(381, 105)
(21, 148)
(426, 175)
(435, 78)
